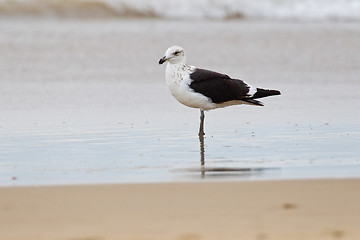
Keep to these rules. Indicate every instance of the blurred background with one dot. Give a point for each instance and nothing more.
(340, 10)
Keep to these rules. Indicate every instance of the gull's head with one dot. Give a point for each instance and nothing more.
(174, 55)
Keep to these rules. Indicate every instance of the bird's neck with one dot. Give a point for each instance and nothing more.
(178, 67)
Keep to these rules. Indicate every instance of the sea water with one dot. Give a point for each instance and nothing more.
(335, 10)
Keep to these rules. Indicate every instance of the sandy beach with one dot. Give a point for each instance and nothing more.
(322, 209)
(93, 147)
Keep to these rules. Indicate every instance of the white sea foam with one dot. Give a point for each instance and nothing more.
(341, 10)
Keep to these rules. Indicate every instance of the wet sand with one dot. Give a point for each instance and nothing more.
(321, 209)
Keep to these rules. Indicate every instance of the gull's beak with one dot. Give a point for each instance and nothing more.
(162, 60)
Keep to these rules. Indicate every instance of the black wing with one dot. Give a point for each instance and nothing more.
(218, 87)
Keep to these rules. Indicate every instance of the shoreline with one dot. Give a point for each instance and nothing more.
(298, 209)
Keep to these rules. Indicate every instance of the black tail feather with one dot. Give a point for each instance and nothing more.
(252, 101)
(260, 93)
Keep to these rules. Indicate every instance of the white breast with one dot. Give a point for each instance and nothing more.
(178, 80)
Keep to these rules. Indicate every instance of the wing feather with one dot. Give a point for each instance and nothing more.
(218, 87)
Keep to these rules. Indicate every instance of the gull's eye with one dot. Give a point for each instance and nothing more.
(176, 53)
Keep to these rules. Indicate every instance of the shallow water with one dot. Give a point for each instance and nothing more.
(85, 102)
(147, 154)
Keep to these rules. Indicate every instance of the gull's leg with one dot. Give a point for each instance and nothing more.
(202, 147)
(202, 117)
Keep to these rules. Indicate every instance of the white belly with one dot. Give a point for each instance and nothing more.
(185, 95)
(179, 88)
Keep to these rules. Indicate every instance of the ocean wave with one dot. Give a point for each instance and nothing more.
(336, 10)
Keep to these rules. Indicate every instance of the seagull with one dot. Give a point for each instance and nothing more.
(204, 89)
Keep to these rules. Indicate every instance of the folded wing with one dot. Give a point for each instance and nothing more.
(218, 87)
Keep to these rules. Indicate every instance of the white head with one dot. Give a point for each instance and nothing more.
(174, 55)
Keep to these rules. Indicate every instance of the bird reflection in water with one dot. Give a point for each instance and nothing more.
(225, 171)
(202, 154)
